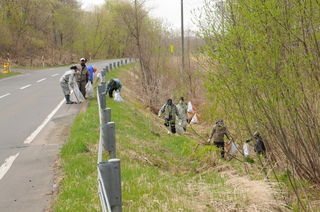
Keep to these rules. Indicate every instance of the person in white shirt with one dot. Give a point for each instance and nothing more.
(66, 80)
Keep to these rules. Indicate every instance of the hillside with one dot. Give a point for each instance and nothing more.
(159, 172)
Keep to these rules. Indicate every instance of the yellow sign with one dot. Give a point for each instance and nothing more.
(172, 48)
(6, 68)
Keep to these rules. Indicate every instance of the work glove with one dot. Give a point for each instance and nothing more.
(209, 140)
(159, 115)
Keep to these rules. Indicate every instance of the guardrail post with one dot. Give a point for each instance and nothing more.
(125, 61)
(103, 75)
(110, 65)
(107, 69)
(102, 96)
(118, 63)
(121, 62)
(108, 134)
(105, 116)
(111, 177)
(114, 65)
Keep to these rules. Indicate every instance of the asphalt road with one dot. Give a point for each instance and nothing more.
(34, 124)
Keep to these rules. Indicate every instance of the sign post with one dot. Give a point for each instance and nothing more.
(42, 59)
(8, 57)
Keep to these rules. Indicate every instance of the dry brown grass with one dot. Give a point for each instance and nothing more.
(240, 193)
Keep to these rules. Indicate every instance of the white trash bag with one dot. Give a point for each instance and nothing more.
(231, 149)
(246, 150)
(99, 76)
(194, 119)
(234, 148)
(179, 128)
(189, 108)
(117, 97)
(76, 95)
(89, 89)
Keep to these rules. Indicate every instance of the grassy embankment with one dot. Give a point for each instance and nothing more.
(159, 172)
(10, 74)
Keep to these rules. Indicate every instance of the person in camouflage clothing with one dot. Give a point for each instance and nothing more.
(218, 132)
(170, 112)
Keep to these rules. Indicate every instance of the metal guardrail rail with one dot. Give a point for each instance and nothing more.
(109, 177)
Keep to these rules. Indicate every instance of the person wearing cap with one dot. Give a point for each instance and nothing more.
(113, 85)
(182, 109)
(66, 80)
(83, 76)
(170, 112)
(218, 132)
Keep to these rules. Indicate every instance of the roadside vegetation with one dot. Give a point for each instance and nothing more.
(254, 64)
(10, 74)
(160, 172)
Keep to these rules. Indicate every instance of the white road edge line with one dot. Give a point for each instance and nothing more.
(25, 87)
(5, 95)
(7, 164)
(41, 80)
(54, 75)
(36, 132)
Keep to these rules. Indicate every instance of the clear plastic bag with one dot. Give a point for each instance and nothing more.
(179, 130)
(194, 119)
(117, 97)
(99, 76)
(234, 148)
(189, 108)
(246, 150)
(89, 89)
(76, 95)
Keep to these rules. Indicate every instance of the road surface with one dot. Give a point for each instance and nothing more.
(34, 125)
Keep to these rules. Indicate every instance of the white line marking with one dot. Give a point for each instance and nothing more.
(41, 80)
(7, 164)
(36, 132)
(5, 95)
(54, 75)
(25, 87)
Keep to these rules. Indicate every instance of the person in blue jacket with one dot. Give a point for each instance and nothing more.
(113, 85)
(91, 73)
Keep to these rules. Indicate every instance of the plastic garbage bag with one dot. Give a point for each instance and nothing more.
(194, 119)
(179, 130)
(76, 95)
(246, 150)
(89, 89)
(117, 97)
(189, 108)
(99, 76)
(231, 149)
(234, 148)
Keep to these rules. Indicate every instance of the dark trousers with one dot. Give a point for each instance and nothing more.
(170, 123)
(111, 91)
(82, 87)
(220, 145)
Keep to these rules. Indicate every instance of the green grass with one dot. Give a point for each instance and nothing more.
(10, 74)
(159, 172)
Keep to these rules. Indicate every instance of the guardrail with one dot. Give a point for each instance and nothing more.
(109, 176)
